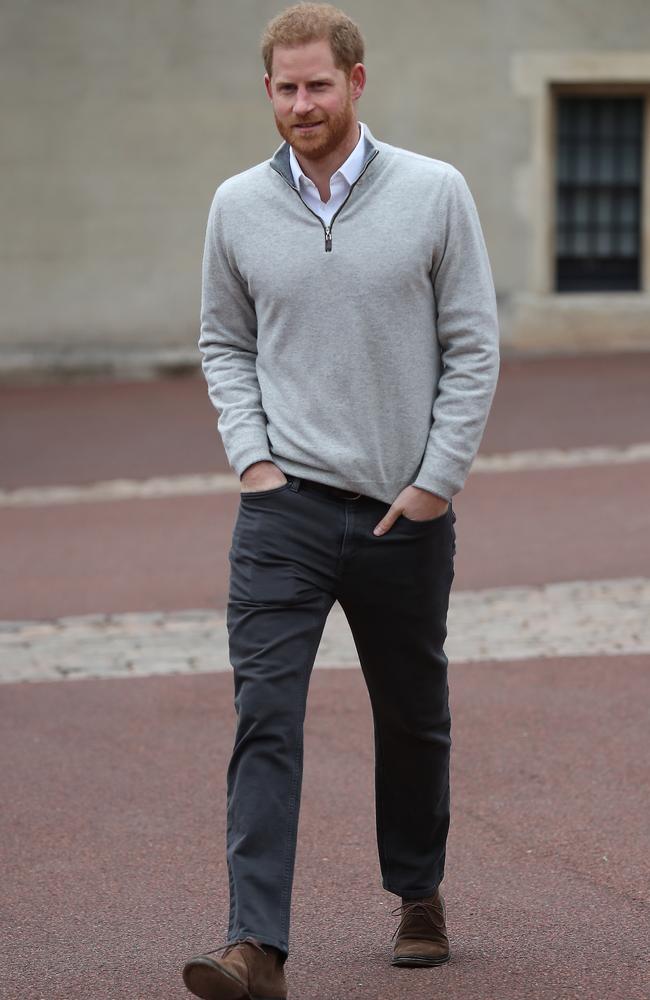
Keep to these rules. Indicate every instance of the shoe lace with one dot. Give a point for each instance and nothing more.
(429, 911)
(225, 948)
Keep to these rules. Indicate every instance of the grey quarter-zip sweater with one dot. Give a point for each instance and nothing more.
(363, 354)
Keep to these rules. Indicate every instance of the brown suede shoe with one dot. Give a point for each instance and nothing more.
(247, 970)
(421, 935)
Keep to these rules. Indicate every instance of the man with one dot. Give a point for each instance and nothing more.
(350, 342)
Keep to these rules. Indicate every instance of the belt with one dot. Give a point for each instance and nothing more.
(329, 491)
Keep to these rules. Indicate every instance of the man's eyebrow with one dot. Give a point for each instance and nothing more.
(280, 82)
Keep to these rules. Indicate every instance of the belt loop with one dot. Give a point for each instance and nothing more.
(294, 484)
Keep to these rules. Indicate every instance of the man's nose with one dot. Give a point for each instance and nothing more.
(303, 103)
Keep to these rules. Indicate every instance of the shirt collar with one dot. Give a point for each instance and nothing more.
(350, 169)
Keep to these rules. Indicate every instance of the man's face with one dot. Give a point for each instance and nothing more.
(313, 99)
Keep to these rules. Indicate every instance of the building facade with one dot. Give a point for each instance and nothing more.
(119, 121)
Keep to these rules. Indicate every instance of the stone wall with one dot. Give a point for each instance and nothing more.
(118, 121)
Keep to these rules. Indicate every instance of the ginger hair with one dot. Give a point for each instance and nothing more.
(312, 22)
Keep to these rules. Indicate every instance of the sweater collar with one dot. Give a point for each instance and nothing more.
(281, 160)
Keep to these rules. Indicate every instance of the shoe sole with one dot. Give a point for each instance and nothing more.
(209, 981)
(415, 961)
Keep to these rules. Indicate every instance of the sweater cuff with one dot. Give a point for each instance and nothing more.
(440, 489)
(248, 456)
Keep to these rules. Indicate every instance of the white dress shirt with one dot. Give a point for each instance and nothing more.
(340, 182)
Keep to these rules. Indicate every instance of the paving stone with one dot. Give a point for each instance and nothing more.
(602, 617)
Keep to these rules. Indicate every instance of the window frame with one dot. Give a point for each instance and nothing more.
(598, 89)
(534, 317)
(562, 283)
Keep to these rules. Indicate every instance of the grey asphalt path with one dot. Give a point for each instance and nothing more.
(114, 874)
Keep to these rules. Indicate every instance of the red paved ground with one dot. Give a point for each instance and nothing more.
(82, 433)
(112, 827)
(172, 554)
(112, 848)
(523, 528)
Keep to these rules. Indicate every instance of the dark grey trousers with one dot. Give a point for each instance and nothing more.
(294, 552)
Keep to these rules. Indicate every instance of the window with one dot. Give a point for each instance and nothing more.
(598, 193)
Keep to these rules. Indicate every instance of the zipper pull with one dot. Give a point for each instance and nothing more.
(328, 239)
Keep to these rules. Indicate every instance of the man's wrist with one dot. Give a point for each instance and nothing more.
(261, 473)
(432, 492)
(262, 464)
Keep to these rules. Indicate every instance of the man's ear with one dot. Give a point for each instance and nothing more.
(267, 84)
(357, 81)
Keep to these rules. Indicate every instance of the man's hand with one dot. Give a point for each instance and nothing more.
(417, 504)
(261, 476)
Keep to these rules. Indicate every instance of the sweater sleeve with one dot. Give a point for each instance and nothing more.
(468, 335)
(228, 345)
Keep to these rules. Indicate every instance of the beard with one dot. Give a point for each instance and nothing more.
(328, 137)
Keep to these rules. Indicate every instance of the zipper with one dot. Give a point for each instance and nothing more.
(328, 229)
